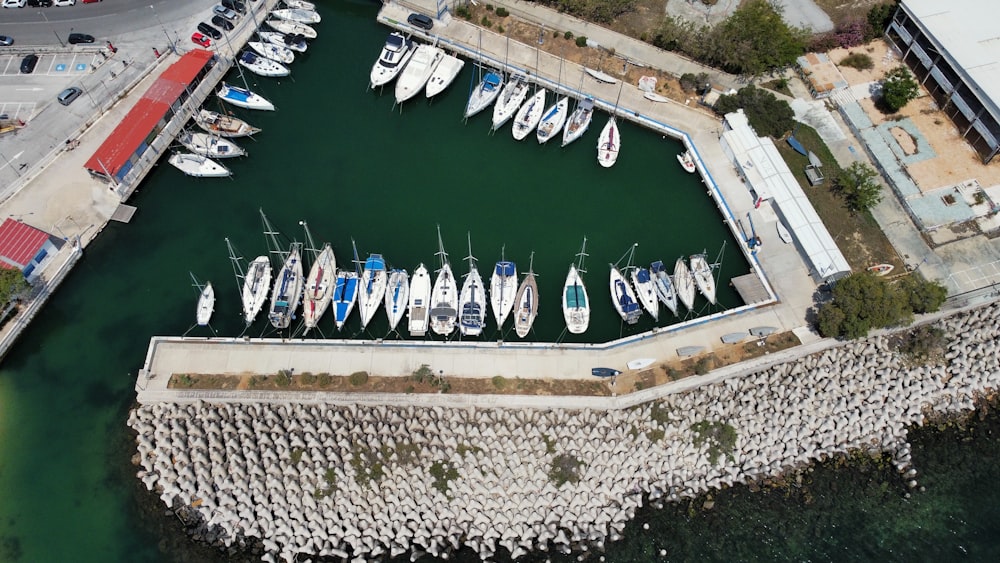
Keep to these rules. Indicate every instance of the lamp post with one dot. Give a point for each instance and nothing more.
(53, 29)
(173, 46)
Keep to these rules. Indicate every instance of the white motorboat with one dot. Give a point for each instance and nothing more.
(445, 73)
(664, 286)
(345, 293)
(262, 66)
(206, 304)
(484, 94)
(645, 290)
(703, 277)
(287, 291)
(209, 145)
(529, 115)
(395, 54)
(575, 302)
(279, 53)
(319, 287)
(601, 76)
(444, 296)
(297, 15)
(292, 28)
(684, 284)
(687, 161)
(371, 288)
(553, 120)
(224, 125)
(296, 43)
(472, 300)
(526, 302)
(243, 98)
(397, 296)
(299, 4)
(509, 100)
(623, 297)
(420, 299)
(503, 290)
(608, 144)
(198, 165)
(417, 72)
(256, 284)
(578, 121)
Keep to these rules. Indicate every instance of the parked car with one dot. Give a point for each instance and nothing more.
(67, 96)
(222, 23)
(201, 40)
(13, 3)
(40, 3)
(89, 1)
(64, 3)
(225, 12)
(235, 5)
(28, 64)
(420, 20)
(6, 41)
(75, 38)
(209, 31)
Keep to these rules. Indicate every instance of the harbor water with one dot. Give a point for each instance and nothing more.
(350, 164)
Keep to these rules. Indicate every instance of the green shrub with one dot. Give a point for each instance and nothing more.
(307, 378)
(284, 378)
(486, 22)
(719, 436)
(502, 12)
(655, 435)
(358, 378)
(859, 61)
(296, 455)
(567, 35)
(443, 473)
(704, 366)
(924, 342)
(581, 41)
(500, 29)
(499, 382)
(489, 7)
(323, 379)
(463, 12)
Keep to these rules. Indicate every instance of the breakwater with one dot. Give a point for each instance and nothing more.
(371, 481)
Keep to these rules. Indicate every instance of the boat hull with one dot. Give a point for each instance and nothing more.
(703, 278)
(392, 60)
(372, 288)
(623, 298)
(417, 72)
(256, 285)
(444, 302)
(645, 290)
(484, 94)
(553, 120)
(443, 75)
(575, 303)
(293, 28)
(224, 125)
(198, 166)
(608, 144)
(684, 284)
(527, 305)
(529, 115)
(397, 297)
(319, 287)
(287, 291)
(420, 299)
(345, 295)
(578, 123)
(472, 305)
(206, 305)
(243, 98)
(211, 146)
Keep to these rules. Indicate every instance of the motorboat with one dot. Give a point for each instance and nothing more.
(419, 305)
(294, 42)
(198, 165)
(703, 277)
(601, 76)
(371, 288)
(299, 4)
(395, 54)
(397, 296)
(687, 161)
(503, 290)
(645, 290)
(553, 120)
(445, 73)
(224, 125)
(444, 296)
(206, 304)
(484, 94)
(608, 144)
(664, 286)
(575, 302)
(209, 145)
(292, 28)
(578, 121)
(287, 290)
(526, 303)
(623, 297)
(472, 301)
(878, 269)
(319, 287)
(262, 66)
(279, 53)
(297, 15)
(684, 284)
(529, 115)
(243, 98)
(417, 72)
(509, 100)
(256, 284)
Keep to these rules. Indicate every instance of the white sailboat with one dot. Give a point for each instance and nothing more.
(209, 145)
(397, 296)
(553, 120)
(319, 284)
(263, 66)
(703, 278)
(420, 299)
(292, 28)
(503, 289)
(300, 4)
(297, 15)
(472, 301)
(444, 296)
(526, 301)
(529, 115)
(575, 302)
(296, 43)
(622, 295)
(610, 142)
(664, 286)
(243, 98)
(224, 125)
(417, 72)
(253, 284)
(645, 290)
(684, 283)
(578, 121)
(287, 291)
(206, 302)
(198, 166)
(371, 288)
(395, 54)
(345, 293)
(510, 100)
(279, 53)
(445, 73)
(484, 94)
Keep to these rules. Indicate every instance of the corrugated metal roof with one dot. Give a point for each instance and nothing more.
(19, 243)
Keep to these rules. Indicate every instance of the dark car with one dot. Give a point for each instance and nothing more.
(222, 23)
(40, 3)
(421, 21)
(75, 38)
(235, 5)
(209, 31)
(28, 64)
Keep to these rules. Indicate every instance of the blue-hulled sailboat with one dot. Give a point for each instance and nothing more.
(345, 292)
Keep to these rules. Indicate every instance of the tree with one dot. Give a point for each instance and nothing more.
(898, 88)
(859, 185)
(767, 114)
(862, 302)
(879, 17)
(12, 285)
(755, 40)
(924, 296)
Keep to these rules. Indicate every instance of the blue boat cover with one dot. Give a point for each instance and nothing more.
(491, 81)
(642, 275)
(375, 262)
(626, 302)
(505, 269)
(575, 297)
(657, 267)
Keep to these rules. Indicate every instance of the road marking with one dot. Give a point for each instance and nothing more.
(28, 89)
(60, 67)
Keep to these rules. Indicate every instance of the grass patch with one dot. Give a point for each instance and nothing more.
(323, 379)
(718, 436)
(358, 378)
(924, 345)
(779, 85)
(307, 378)
(330, 479)
(499, 382)
(655, 435)
(443, 474)
(283, 379)
(296, 455)
(660, 413)
(550, 444)
(463, 449)
(565, 469)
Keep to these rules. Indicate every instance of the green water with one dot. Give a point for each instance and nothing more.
(342, 159)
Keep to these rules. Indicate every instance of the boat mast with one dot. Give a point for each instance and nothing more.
(272, 240)
(237, 266)
(309, 241)
(470, 257)
(531, 263)
(197, 284)
(441, 252)
(620, 86)
(580, 256)
(357, 261)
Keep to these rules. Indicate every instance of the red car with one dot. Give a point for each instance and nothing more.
(201, 40)
(89, 1)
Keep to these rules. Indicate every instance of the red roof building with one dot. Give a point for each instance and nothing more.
(120, 151)
(24, 247)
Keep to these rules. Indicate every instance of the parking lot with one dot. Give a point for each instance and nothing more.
(17, 110)
(52, 64)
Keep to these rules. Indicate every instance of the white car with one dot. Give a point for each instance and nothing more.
(225, 12)
(14, 3)
(64, 3)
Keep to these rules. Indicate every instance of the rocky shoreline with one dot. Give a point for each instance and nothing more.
(371, 482)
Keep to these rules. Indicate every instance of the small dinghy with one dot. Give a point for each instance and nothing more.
(687, 161)
(604, 372)
(198, 165)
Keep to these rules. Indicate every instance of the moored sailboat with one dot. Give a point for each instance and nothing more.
(608, 144)
(529, 115)
(684, 283)
(209, 145)
(243, 98)
(444, 296)
(645, 290)
(294, 42)
(503, 289)
(397, 296)
(345, 291)
(198, 165)
(206, 302)
(297, 15)
(484, 94)
(253, 284)
(472, 300)
(223, 125)
(578, 121)
(510, 99)
(371, 288)
(526, 302)
(319, 284)
(664, 286)
(575, 302)
(702, 272)
(278, 53)
(263, 66)
(420, 299)
(292, 28)
(287, 290)
(553, 120)
(623, 296)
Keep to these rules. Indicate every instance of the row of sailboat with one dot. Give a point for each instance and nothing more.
(652, 286)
